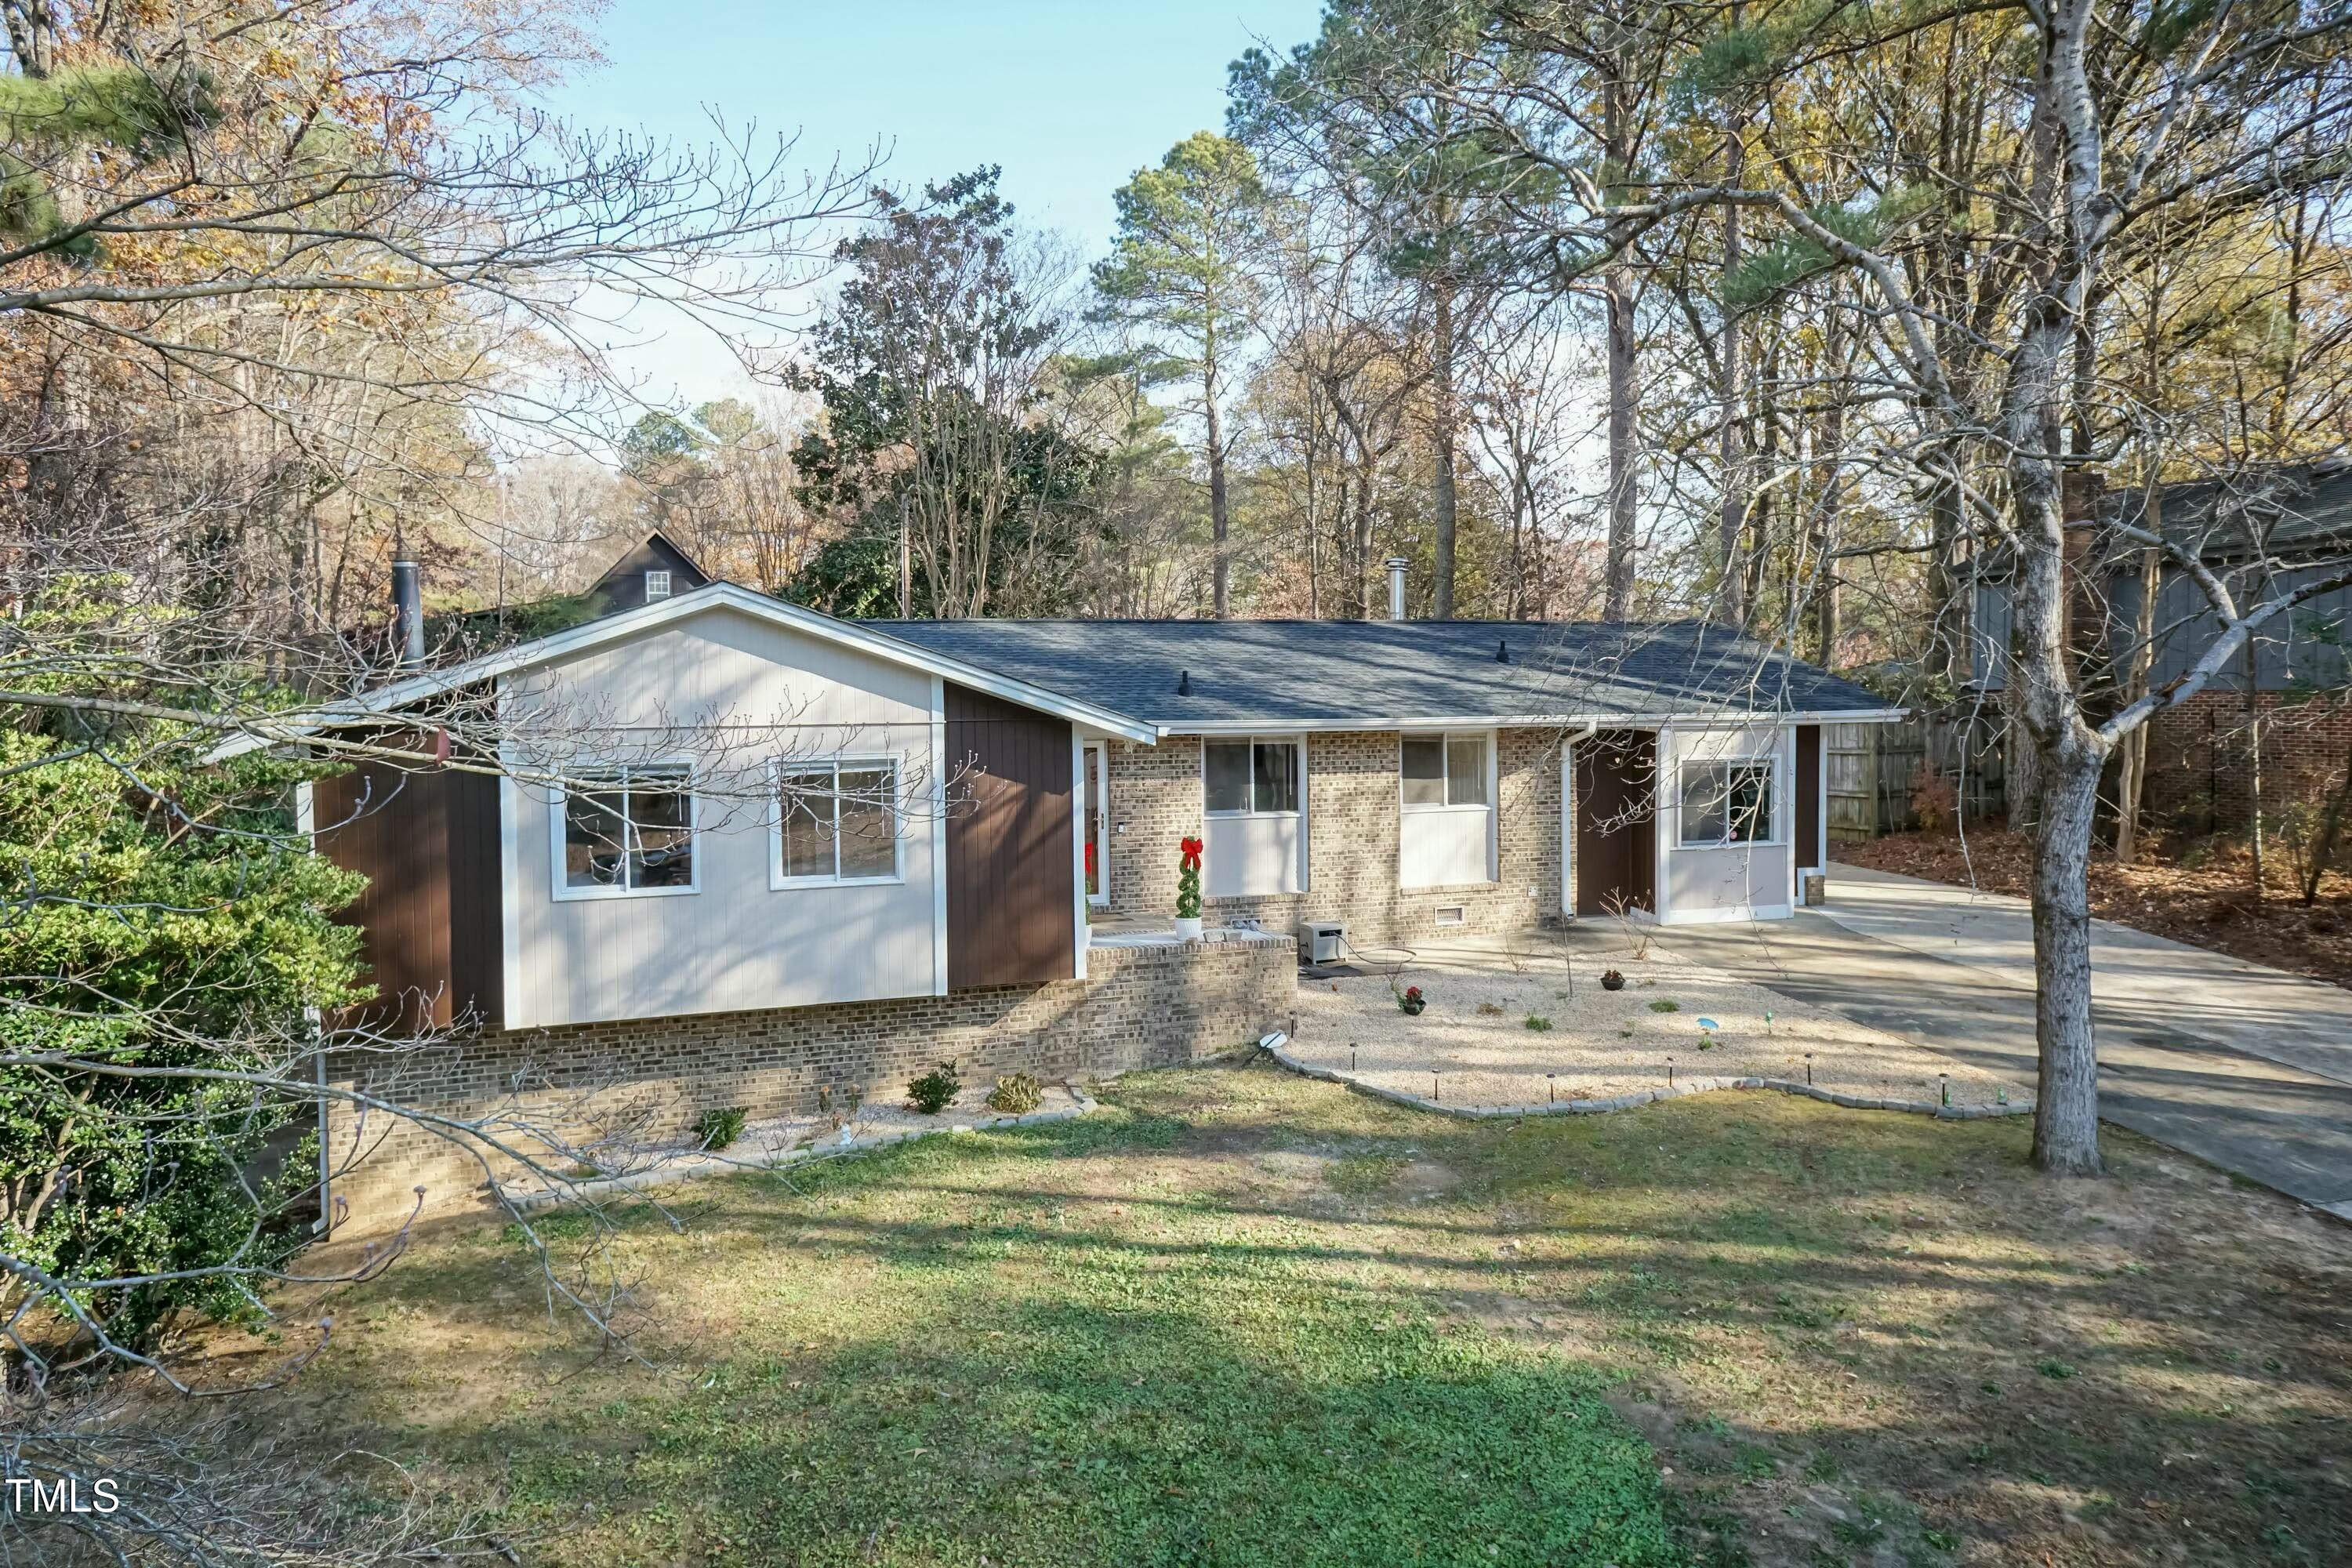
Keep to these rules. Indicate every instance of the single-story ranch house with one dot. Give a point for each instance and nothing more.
(736, 851)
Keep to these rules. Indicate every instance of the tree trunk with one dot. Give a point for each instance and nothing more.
(1949, 633)
(1221, 567)
(2067, 1105)
(1617, 139)
(1829, 454)
(1731, 438)
(1364, 536)
(2134, 782)
(1621, 453)
(2260, 866)
(1440, 444)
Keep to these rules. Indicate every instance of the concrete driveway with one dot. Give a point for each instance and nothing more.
(2244, 1066)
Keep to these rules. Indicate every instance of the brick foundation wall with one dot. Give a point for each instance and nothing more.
(2199, 754)
(1139, 1008)
(1353, 816)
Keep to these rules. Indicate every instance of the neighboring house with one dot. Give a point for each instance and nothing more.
(656, 569)
(747, 851)
(2262, 535)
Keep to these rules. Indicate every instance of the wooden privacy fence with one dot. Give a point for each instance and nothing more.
(1870, 772)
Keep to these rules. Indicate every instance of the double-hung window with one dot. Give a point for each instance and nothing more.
(656, 586)
(1250, 778)
(1445, 769)
(835, 822)
(1727, 803)
(628, 831)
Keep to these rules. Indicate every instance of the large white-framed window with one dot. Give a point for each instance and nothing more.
(1445, 790)
(1727, 803)
(834, 823)
(1440, 772)
(1254, 795)
(1254, 777)
(627, 833)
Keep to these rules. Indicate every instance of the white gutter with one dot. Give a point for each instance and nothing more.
(1589, 722)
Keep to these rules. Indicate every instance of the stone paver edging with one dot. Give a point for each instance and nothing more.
(1272, 1045)
(694, 1167)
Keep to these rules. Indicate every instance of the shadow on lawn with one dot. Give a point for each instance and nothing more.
(1133, 1339)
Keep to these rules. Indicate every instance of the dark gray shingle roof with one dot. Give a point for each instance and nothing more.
(1383, 673)
(2289, 509)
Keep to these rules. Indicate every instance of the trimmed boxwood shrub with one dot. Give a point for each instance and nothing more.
(930, 1093)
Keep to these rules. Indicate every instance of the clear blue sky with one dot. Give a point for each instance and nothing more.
(1071, 96)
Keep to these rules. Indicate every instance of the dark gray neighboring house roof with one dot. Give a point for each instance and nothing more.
(2290, 509)
(1391, 674)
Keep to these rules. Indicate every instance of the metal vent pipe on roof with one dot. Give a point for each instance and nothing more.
(1396, 565)
(407, 615)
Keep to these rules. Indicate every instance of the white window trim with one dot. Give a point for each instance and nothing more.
(1443, 737)
(1778, 837)
(777, 768)
(1096, 783)
(651, 595)
(565, 893)
(1298, 743)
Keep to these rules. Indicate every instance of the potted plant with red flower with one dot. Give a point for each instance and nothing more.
(1188, 888)
(1410, 1001)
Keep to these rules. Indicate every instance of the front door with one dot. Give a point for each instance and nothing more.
(1616, 822)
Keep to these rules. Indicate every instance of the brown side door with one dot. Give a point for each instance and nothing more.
(1011, 903)
(1616, 821)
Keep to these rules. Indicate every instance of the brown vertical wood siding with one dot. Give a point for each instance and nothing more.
(432, 934)
(1807, 831)
(1011, 905)
(1616, 821)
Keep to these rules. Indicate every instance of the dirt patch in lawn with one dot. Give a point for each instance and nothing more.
(1244, 1317)
(1496, 1032)
(2210, 903)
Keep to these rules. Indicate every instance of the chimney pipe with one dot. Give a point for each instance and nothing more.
(407, 615)
(1396, 565)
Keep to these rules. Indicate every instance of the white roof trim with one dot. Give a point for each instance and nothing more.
(661, 613)
(1530, 721)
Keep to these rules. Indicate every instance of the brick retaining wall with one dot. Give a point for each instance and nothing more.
(1139, 1008)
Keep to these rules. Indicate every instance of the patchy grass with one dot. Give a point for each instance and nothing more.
(1245, 1319)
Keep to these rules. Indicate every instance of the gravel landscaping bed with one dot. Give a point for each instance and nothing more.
(1474, 1044)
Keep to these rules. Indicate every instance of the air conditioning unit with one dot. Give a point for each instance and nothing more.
(1318, 941)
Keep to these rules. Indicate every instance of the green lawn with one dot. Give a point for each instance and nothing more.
(1243, 1318)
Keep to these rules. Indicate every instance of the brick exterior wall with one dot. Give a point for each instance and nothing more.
(1354, 816)
(2198, 776)
(1138, 1008)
